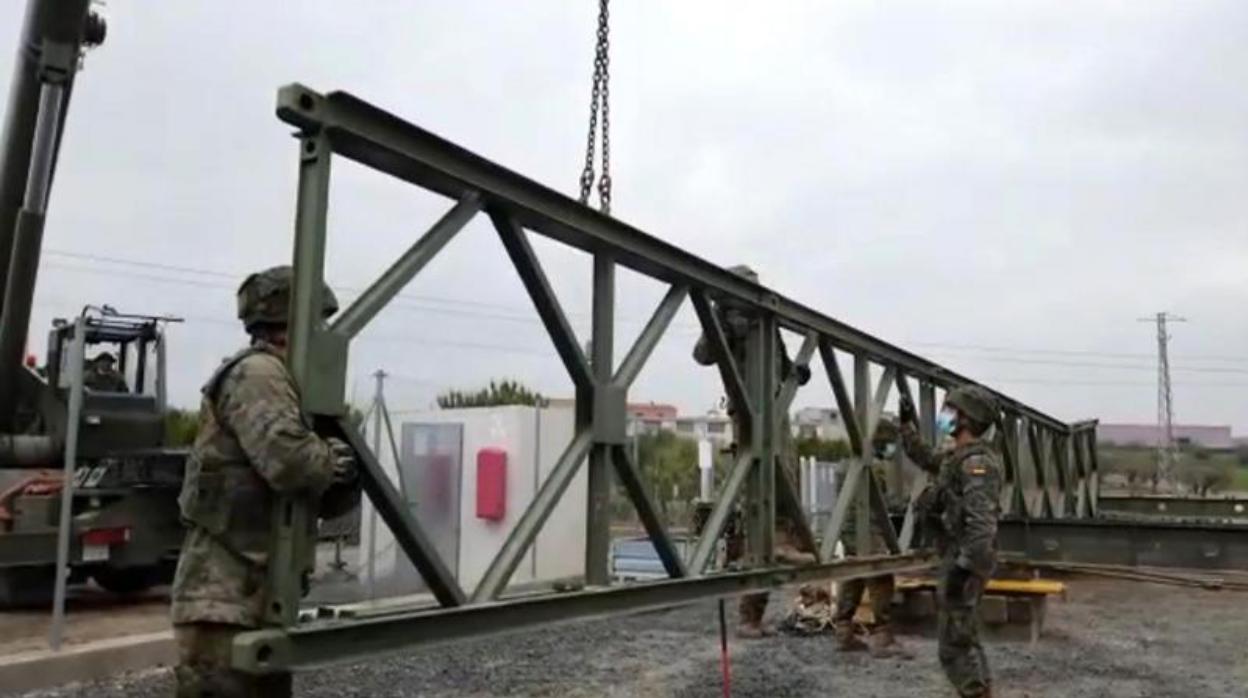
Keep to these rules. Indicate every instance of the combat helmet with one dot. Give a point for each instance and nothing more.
(744, 270)
(975, 403)
(885, 432)
(264, 298)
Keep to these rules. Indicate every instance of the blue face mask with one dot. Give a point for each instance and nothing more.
(945, 422)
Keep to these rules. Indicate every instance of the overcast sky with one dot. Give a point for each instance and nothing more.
(1003, 187)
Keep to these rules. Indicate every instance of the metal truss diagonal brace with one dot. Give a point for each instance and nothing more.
(396, 515)
(788, 391)
(650, 335)
(495, 579)
(648, 514)
(729, 371)
(535, 282)
(789, 500)
(366, 307)
(715, 523)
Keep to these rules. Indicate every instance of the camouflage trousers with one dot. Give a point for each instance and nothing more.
(881, 588)
(204, 671)
(961, 654)
(752, 607)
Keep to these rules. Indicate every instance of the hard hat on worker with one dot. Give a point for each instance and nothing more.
(264, 298)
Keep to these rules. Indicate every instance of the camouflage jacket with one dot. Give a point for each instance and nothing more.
(965, 498)
(253, 443)
(736, 325)
(106, 381)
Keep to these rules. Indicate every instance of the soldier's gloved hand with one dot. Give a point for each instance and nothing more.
(802, 373)
(905, 410)
(346, 468)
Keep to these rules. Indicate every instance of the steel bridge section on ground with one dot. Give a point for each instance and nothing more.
(1229, 509)
(1051, 468)
(1185, 545)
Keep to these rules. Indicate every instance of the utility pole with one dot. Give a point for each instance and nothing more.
(379, 404)
(1166, 451)
(380, 415)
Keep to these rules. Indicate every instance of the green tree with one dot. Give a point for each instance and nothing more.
(181, 427)
(825, 450)
(1204, 477)
(669, 467)
(499, 392)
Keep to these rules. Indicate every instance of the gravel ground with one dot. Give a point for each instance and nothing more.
(1110, 639)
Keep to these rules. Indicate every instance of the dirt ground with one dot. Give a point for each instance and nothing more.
(1110, 638)
(91, 614)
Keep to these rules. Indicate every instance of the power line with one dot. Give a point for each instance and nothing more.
(417, 303)
(1116, 366)
(1072, 352)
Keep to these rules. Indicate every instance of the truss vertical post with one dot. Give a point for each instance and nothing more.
(862, 408)
(292, 547)
(598, 506)
(768, 438)
(751, 441)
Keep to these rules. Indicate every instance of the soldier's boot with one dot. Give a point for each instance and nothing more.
(787, 554)
(883, 645)
(750, 626)
(847, 639)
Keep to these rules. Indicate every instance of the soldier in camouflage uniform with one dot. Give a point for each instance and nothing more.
(253, 444)
(736, 322)
(102, 374)
(961, 507)
(881, 641)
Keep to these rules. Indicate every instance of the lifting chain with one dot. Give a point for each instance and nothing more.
(599, 101)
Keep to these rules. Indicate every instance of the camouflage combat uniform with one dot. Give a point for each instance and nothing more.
(881, 588)
(960, 509)
(736, 325)
(103, 376)
(253, 443)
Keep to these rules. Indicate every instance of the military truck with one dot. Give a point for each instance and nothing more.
(124, 530)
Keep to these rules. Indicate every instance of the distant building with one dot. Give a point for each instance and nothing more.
(714, 426)
(651, 418)
(819, 422)
(1214, 437)
(643, 417)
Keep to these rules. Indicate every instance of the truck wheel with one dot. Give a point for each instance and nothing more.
(127, 580)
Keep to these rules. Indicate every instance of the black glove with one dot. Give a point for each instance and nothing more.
(802, 373)
(905, 410)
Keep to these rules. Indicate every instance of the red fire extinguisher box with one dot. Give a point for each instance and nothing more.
(491, 484)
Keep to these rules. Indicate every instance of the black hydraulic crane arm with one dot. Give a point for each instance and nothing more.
(54, 34)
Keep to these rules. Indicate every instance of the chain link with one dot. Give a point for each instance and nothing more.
(599, 102)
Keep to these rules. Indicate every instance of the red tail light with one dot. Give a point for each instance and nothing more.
(106, 536)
